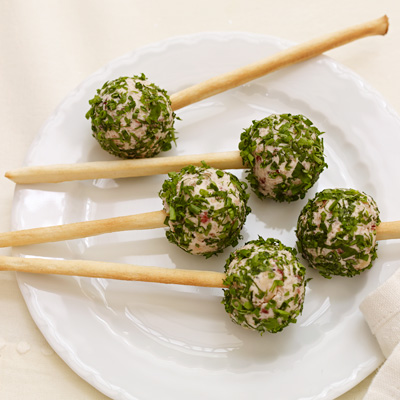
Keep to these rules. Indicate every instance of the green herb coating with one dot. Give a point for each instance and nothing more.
(285, 154)
(132, 118)
(266, 286)
(336, 232)
(206, 209)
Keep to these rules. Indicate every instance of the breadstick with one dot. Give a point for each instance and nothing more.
(388, 230)
(108, 270)
(284, 58)
(121, 168)
(254, 282)
(151, 220)
(77, 230)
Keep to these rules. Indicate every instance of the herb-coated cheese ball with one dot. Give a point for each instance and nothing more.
(206, 209)
(336, 232)
(132, 118)
(266, 286)
(285, 154)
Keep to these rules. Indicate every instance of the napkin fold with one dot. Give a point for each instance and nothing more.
(381, 310)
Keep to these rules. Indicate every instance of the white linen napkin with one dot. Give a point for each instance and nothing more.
(381, 310)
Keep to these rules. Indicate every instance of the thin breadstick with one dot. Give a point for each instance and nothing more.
(151, 220)
(121, 168)
(77, 230)
(108, 270)
(388, 230)
(284, 58)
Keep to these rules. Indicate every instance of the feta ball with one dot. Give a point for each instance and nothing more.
(206, 209)
(132, 118)
(285, 154)
(336, 232)
(266, 286)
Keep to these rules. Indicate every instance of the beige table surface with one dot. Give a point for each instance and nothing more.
(47, 47)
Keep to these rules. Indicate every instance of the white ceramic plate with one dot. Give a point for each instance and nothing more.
(148, 341)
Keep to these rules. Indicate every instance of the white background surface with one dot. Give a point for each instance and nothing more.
(47, 48)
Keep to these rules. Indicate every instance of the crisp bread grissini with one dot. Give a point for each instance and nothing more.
(264, 284)
(128, 113)
(283, 155)
(205, 209)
